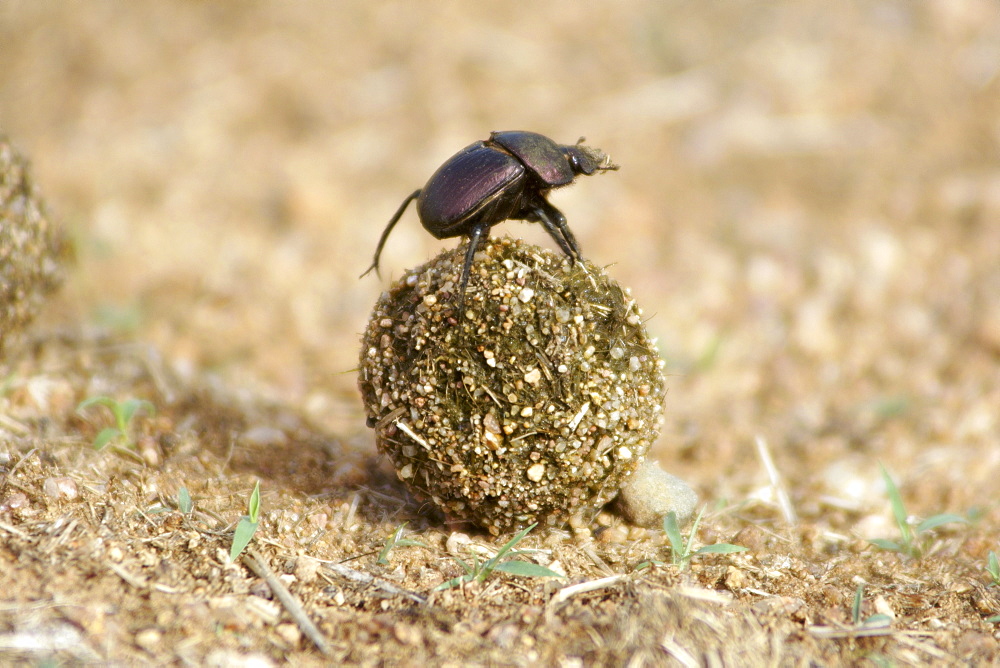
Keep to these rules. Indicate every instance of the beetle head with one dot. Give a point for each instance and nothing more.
(585, 160)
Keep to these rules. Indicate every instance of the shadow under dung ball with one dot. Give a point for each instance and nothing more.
(31, 248)
(533, 401)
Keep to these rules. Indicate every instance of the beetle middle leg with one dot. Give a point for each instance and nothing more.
(554, 222)
(388, 228)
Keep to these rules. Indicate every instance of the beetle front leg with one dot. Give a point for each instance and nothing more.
(388, 229)
(476, 236)
(554, 222)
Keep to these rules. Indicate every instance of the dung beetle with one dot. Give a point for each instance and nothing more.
(503, 178)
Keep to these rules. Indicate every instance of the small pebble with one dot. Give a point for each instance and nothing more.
(735, 579)
(456, 543)
(306, 569)
(613, 534)
(148, 639)
(149, 451)
(289, 633)
(263, 436)
(60, 488)
(14, 501)
(408, 634)
(651, 493)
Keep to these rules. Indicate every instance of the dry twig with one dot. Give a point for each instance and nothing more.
(784, 502)
(257, 564)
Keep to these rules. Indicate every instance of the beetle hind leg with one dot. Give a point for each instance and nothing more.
(554, 222)
(388, 228)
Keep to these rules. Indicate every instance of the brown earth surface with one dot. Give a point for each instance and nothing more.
(808, 209)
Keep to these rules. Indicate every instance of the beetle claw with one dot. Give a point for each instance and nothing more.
(554, 222)
(369, 270)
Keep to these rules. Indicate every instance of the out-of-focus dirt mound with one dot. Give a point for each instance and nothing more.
(31, 247)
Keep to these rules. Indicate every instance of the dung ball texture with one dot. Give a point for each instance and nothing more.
(531, 401)
(31, 249)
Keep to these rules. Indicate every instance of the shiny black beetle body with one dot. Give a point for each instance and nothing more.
(503, 178)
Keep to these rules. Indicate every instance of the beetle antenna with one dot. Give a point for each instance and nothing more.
(607, 165)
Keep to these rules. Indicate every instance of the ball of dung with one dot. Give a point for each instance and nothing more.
(31, 248)
(531, 401)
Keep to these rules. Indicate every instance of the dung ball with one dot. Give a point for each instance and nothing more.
(531, 401)
(31, 248)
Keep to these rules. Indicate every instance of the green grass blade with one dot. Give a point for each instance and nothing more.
(393, 541)
(491, 565)
(878, 621)
(694, 529)
(452, 583)
(709, 356)
(253, 505)
(898, 509)
(129, 407)
(96, 401)
(407, 542)
(673, 532)
(184, 503)
(649, 563)
(939, 520)
(720, 548)
(512, 542)
(886, 544)
(105, 436)
(124, 411)
(859, 596)
(245, 530)
(527, 569)
(469, 570)
(993, 567)
(890, 407)
(390, 542)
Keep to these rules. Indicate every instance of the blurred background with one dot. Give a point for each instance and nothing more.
(807, 208)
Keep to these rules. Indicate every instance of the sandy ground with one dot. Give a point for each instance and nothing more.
(808, 208)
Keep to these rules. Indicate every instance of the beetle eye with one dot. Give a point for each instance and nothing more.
(579, 161)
